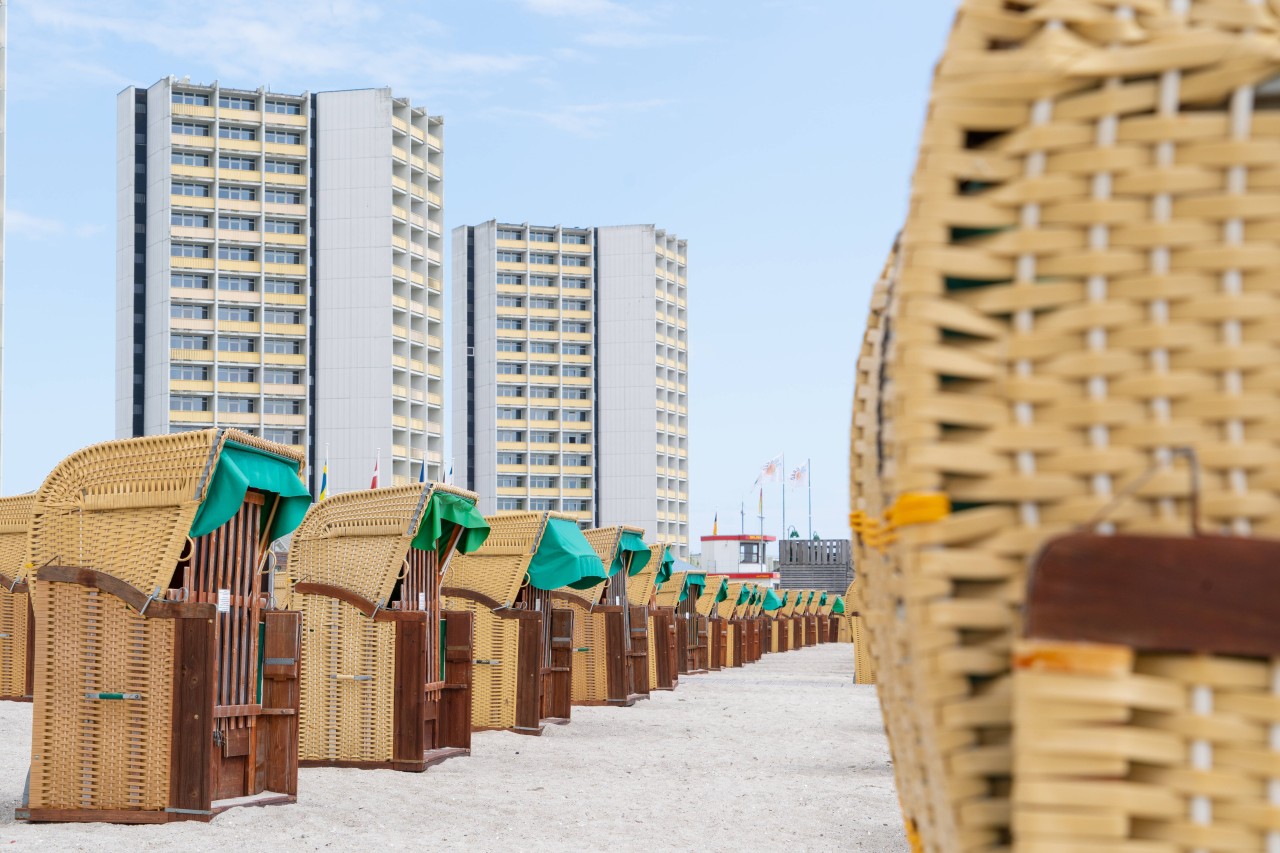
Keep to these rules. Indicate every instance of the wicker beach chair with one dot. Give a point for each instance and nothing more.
(714, 592)
(664, 667)
(736, 594)
(640, 590)
(680, 593)
(1085, 283)
(165, 684)
(386, 675)
(523, 645)
(17, 627)
(603, 632)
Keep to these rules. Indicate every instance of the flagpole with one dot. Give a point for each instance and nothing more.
(808, 478)
(742, 517)
(764, 557)
(783, 480)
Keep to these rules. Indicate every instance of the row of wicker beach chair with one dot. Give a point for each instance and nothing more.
(179, 666)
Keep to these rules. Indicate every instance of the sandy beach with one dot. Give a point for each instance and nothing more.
(786, 753)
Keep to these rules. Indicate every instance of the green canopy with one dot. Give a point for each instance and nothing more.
(565, 558)
(822, 602)
(634, 545)
(744, 596)
(786, 595)
(809, 600)
(771, 600)
(444, 512)
(838, 607)
(723, 592)
(664, 567)
(693, 579)
(241, 468)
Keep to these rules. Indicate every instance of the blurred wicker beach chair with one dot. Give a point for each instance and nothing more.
(727, 611)
(602, 621)
(165, 684)
(680, 593)
(664, 667)
(386, 675)
(17, 625)
(640, 591)
(714, 591)
(523, 645)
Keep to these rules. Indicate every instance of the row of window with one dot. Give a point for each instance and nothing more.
(540, 505)
(542, 237)
(541, 303)
(236, 253)
(510, 481)
(228, 343)
(243, 284)
(506, 368)
(235, 193)
(568, 460)
(276, 434)
(236, 223)
(228, 131)
(540, 325)
(238, 102)
(544, 281)
(236, 405)
(507, 413)
(539, 437)
(507, 257)
(544, 392)
(235, 373)
(234, 313)
(543, 347)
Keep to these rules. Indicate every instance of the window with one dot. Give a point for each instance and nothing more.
(189, 280)
(188, 404)
(542, 483)
(281, 406)
(577, 438)
(189, 158)
(283, 137)
(188, 342)
(510, 435)
(570, 261)
(510, 323)
(236, 253)
(577, 283)
(281, 377)
(542, 303)
(192, 190)
(235, 374)
(542, 437)
(510, 257)
(541, 392)
(189, 372)
(574, 239)
(282, 197)
(575, 349)
(575, 461)
(235, 313)
(575, 483)
(510, 391)
(282, 346)
(510, 302)
(185, 311)
(575, 328)
(508, 414)
(575, 416)
(572, 393)
(542, 281)
(190, 128)
(287, 108)
(237, 102)
(235, 405)
(281, 315)
(187, 250)
(189, 220)
(226, 131)
(540, 504)
(236, 282)
(237, 223)
(280, 285)
(542, 414)
(237, 193)
(282, 226)
(196, 99)
(579, 370)
(542, 326)
(536, 258)
(508, 504)
(281, 256)
(283, 436)
(282, 167)
(508, 482)
(227, 344)
(575, 506)
(542, 370)
(507, 234)
(542, 347)
(575, 305)
(508, 369)
(510, 458)
(542, 459)
(508, 278)
(237, 164)
(748, 552)
(541, 237)
(510, 346)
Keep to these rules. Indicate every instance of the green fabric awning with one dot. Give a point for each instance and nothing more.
(822, 602)
(809, 600)
(771, 600)
(632, 544)
(241, 468)
(664, 567)
(565, 558)
(744, 596)
(696, 580)
(723, 592)
(785, 596)
(445, 512)
(838, 607)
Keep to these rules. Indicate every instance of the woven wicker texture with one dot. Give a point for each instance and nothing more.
(640, 585)
(1086, 279)
(15, 521)
(669, 595)
(493, 683)
(731, 644)
(707, 600)
(590, 681)
(726, 608)
(499, 568)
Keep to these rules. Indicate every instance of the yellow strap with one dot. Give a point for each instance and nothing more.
(909, 508)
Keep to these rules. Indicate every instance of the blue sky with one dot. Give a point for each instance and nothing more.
(778, 137)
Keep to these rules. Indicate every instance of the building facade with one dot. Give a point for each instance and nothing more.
(742, 558)
(279, 270)
(816, 564)
(571, 372)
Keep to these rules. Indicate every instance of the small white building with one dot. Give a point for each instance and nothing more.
(741, 557)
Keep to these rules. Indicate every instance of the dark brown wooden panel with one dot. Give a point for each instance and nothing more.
(454, 728)
(408, 733)
(192, 745)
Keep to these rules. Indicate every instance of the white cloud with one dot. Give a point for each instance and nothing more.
(588, 120)
(19, 223)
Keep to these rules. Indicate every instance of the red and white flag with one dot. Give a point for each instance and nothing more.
(376, 463)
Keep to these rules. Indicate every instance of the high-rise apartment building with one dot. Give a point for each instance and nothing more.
(571, 372)
(278, 270)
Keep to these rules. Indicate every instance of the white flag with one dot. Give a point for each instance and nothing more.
(772, 470)
(800, 476)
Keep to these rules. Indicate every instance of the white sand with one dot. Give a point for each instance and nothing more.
(784, 754)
